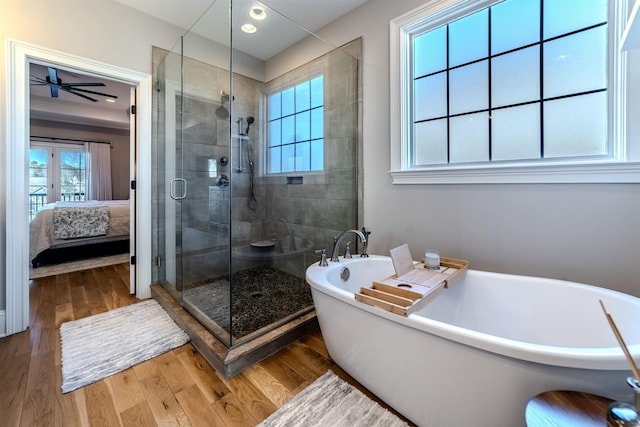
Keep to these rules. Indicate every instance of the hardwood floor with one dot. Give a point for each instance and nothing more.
(178, 388)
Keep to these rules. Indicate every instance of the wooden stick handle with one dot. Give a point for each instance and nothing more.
(616, 332)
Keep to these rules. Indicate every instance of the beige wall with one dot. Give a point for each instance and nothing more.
(585, 233)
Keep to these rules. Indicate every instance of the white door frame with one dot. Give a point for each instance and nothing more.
(19, 56)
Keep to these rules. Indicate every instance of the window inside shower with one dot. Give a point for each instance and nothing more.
(296, 128)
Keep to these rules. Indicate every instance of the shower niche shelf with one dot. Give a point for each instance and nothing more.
(399, 296)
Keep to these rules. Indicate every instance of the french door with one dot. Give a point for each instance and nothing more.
(56, 172)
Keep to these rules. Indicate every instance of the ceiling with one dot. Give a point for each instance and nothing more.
(287, 22)
(70, 108)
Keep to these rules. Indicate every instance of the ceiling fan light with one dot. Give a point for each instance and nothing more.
(249, 28)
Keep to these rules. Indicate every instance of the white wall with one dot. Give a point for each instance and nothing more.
(103, 30)
(585, 233)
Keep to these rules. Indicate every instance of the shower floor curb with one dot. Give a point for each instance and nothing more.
(231, 361)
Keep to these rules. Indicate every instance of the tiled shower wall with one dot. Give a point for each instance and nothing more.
(327, 202)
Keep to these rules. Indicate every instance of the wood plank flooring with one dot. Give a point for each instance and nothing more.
(178, 388)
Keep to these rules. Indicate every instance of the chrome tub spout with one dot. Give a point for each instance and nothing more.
(338, 239)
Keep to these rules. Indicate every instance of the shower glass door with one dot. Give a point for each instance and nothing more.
(192, 175)
(206, 111)
(168, 169)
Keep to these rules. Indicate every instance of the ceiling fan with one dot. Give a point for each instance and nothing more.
(55, 83)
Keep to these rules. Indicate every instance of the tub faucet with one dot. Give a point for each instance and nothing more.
(338, 239)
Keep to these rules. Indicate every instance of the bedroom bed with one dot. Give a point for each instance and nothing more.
(65, 231)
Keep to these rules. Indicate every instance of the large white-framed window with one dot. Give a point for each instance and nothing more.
(510, 91)
(295, 141)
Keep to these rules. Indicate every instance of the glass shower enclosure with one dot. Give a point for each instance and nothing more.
(255, 165)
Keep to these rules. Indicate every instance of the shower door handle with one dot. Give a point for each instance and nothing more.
(172, 187)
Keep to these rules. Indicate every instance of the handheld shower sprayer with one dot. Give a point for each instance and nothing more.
(250, 121)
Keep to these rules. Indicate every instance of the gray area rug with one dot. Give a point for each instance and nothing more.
(329, 401)
(104, 344)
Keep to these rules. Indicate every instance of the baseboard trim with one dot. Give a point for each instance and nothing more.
(3, 323)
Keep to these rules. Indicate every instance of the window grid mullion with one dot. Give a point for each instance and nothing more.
(448, 108)
(489, 83)
(541, 73)
(281, 134)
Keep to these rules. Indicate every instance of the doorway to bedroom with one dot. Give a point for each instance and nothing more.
(78, 166)
(20, 55)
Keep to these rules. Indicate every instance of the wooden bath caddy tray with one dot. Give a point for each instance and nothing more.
(410, 292)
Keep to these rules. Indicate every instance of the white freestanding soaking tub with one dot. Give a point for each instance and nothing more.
(479, 351)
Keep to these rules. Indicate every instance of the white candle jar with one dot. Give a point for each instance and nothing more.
(432, 260)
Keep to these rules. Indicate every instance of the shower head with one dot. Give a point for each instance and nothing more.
(221, 111)
(250, 121)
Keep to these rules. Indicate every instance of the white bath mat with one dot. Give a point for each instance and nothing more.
(104, 344)
(329, 401)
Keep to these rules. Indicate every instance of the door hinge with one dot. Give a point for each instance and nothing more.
(133, 109)
(133, 185)
(133, 260)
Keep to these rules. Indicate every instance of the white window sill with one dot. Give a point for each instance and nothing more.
(586, 173)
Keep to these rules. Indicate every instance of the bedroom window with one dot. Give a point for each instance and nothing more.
(296, 128)
(56, 172)
(508, 84)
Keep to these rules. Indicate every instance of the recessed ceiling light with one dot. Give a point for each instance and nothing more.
(249, 28)
(110, 100)
(257, 12)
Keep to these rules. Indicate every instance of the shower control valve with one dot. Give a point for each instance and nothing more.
(222, 181)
